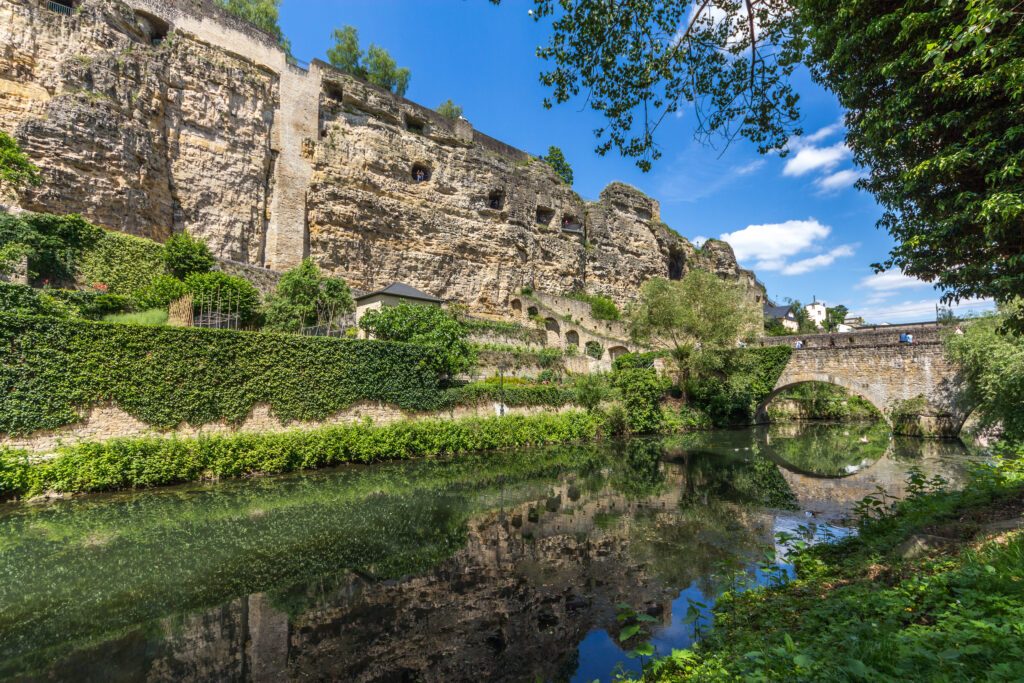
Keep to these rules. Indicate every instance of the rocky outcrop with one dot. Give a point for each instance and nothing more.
(155, 117)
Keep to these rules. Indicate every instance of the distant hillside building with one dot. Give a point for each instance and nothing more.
(783, 315)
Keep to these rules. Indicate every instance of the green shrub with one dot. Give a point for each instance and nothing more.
(641, 391)
(154, 461)
(590, 391)
(61, 303)
(304, 296)
(601, 306)
(154, 316)
(636, 360)
(51, 368)
(229, 293)
(425, 325)
(54, 244)
(731, 397)
(123, 264)
(160, 292)
(184, 255)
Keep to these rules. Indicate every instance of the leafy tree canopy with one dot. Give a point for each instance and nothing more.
(54, 244)
(449, 110)
(834, 317)
(376, 65)
(556, 160)
(428, 325)
(696, 318)
(264, 14)
(638, 62)
(933, 90)
(183, 255)
(16, 171)
(305, 297)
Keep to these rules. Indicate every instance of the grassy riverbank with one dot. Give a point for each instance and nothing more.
(930, 589)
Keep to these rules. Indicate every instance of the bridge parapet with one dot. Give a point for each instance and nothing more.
(889, 335)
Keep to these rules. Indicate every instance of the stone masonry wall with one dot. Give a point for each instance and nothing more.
(212, 131)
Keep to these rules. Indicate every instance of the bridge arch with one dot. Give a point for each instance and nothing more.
(855, 388)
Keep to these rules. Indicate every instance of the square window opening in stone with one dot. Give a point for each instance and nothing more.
(496, 200)
(572, 224)
(545, 215)
(420, 173)
(415, 125)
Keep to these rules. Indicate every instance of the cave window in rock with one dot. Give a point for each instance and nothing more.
(533, 311)
(496, 200)
(554, 331)
(572, 224)
(675, 265)
(594, 350)
(420, 173)
(545, 215)
(616, 351)
(517, 306)
(572, 338)
(65, 7)
(154, 27)
(415, 125)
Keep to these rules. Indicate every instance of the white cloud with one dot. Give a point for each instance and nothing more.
(813, 158)
(820, 134)
(769, 245)
(820, 261)
(889, 281)
(747, 169)
(919, 310)
(837, 181)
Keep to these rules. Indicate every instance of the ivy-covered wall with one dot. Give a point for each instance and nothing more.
(50, 368)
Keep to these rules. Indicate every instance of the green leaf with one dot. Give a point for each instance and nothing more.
(628, 632)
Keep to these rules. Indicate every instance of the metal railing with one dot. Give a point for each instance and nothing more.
(60, 8)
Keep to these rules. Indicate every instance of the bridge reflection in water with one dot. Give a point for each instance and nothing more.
(497, 568)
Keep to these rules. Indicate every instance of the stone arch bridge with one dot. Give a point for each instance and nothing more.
(915, 386)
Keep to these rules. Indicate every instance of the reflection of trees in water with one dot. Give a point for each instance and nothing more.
(637, 472)
(826, 450)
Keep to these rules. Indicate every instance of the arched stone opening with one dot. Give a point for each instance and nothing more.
(533, 311)
(415, 125)
(554, 331)
(594, 349)
(517, 306)
(544, 215)
(761, 414)
(154, 28)
(421, 173)
(617, 351)
(572, 338)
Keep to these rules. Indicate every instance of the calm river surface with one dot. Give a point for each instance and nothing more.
(502, 567)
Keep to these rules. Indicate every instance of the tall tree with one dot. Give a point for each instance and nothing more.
(934, 95)
(449, 110)
(376, 65)
(264, 14)
(696, 319)
(835, 316)
(640, 61)
(556, 160)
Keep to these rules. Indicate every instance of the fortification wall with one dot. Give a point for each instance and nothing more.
(210, 129)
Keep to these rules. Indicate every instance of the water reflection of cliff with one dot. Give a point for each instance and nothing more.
(524, 566)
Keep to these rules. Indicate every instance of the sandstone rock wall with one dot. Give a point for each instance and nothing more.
(153, 117)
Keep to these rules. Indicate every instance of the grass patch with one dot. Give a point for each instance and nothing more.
(153, 317)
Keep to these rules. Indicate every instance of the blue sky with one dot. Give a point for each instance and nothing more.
(798, 222)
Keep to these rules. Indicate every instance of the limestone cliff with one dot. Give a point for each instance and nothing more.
(152, 117)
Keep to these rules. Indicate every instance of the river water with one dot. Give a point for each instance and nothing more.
(503, 567)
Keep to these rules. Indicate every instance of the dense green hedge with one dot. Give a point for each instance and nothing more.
(133, 463)
(512, 395)
(25, 300)
(124, 263)
(164, 376)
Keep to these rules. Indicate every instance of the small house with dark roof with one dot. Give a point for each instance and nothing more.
(392, 295)
(783, 314)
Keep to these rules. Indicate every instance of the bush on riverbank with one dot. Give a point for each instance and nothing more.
(147, 462)
(861, 610)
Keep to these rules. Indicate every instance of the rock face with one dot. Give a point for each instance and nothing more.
(153, 117)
